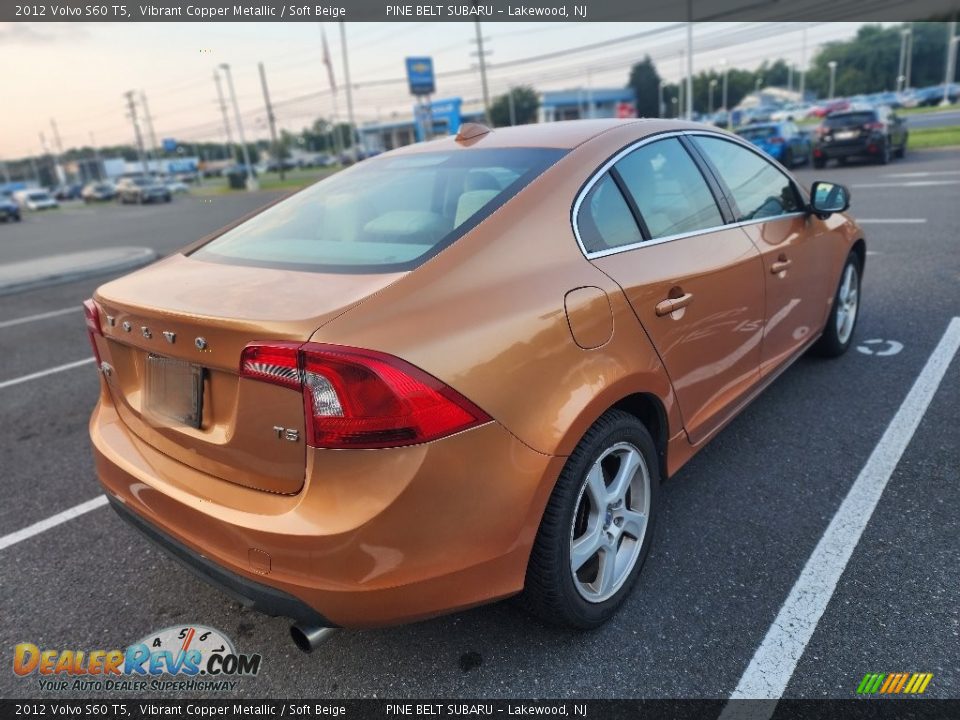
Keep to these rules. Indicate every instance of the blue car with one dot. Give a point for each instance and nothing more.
(782, 141)
(9, 210)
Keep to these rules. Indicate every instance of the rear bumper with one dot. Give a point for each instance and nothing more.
(248, 593)
(375, 537)
(861, 147)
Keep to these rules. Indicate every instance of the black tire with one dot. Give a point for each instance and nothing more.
(901, 152)
(841, 161)
(819, 163)
(787, 161)
(832, 342)
(550, 592)
(884, 156)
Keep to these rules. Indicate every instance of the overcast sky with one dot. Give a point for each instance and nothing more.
(77, 73)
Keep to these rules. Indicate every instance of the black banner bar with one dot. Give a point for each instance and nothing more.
(872, 709)
(470, 10)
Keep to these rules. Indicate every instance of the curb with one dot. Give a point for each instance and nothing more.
(69, 267)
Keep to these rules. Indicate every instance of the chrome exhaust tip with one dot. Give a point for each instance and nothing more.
(309, 637)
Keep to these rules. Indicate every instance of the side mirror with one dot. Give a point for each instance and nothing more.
(827, 198)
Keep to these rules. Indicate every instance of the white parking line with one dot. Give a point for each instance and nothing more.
(911, 183)
(44, 373)
(41, 316)
(928, 173)
(892, 221)
(773, 663)
(51, 522)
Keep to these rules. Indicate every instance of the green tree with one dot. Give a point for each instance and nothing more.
(526, 102)
(645, 82)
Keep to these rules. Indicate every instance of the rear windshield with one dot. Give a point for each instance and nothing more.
(383, 215)
(757, 133)
(847, 119)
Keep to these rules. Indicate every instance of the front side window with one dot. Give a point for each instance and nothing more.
(670, 192)
(386, 214)
(758, 188)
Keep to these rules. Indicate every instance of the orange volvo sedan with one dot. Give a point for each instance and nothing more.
(459, 371)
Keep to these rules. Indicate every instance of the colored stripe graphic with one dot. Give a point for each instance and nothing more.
(894, 683)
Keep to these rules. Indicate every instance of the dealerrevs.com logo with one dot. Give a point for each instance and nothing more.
(192, 657)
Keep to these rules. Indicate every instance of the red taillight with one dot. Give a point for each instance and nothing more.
(360, 398)
(874, 126)
(91, 316)
(776, 141)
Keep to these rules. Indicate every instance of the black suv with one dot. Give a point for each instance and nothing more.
(876, 133)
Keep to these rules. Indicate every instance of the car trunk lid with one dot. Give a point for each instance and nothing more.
(174, 335)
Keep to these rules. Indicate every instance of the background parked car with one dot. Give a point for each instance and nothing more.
(142, 189)
(35, 199)
(9, 210)
(782, 141)
(98, 192)
(177, 187)
(68, 192)
(877, 133)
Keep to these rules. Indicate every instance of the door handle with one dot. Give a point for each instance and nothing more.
(665, 307)
(779, 266)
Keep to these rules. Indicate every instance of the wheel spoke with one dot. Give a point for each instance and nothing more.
(597, 488)
(585, 547)
(634, 524)
(607, 574)
(629, 462)
(845, 288)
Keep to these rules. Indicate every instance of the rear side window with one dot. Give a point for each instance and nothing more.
(757, 133)
(670, 192)
(605, 220)
(758, 188)
(386, 214)
(847, 119)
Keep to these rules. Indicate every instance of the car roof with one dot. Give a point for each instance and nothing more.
(752, 126)
(564, 134)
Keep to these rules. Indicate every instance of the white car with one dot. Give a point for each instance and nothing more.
(792, 112)
(35, 199)
(177, 187)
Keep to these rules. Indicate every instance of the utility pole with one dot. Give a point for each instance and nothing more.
(726, 72)
(909, 67)
(689, 59)
(803, 62)
(354, 130)
(951, 60)
(132, 114)
(660, 107)
(251, 180)
(271, 119)
(482, 56)
(833, 77)
(149, 118)
(58, 158)
(96, 157)
(223, 111)
(903, 54)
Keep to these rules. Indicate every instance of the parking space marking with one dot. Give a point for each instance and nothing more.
(928, 173)
(51, 522)
(772, 665)
(44, 373)
(41, 316)
(909, 184)
(891, 221)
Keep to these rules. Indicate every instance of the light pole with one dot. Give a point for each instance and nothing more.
(251, 180)
(726, 71)
(901, 75)
(952, 40)
(676, 110)
(689, 115)
(833, 77)
(713, 84)
(803, 62)
(661, 108)
(908, 63)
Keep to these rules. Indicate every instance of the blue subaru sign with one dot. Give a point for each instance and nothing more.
(169, 145)
(420, 75)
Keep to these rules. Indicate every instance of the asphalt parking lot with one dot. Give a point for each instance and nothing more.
(738, 524)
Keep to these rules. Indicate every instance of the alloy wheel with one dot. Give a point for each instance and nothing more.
(610, 522)
(847, 299)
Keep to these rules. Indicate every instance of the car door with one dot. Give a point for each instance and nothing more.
(654, 223)
(772, 213)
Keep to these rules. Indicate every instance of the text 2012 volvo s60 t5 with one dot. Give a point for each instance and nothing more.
(459, 371)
